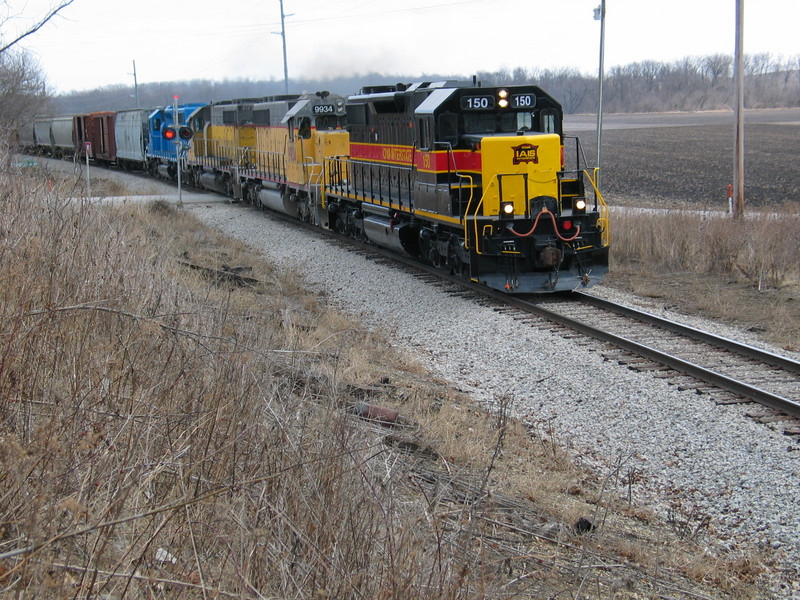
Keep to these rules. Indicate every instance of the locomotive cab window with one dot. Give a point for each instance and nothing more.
(517, 121)
(524, 121)
(480, 123)
(261, 116)
(156, 124)
(424, 132)
(327, 122)
(304, 129)
(548, 121)
(448, 129)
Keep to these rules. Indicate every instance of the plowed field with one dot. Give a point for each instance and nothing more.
(673, 158)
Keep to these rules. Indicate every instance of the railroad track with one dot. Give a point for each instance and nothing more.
(728, 371)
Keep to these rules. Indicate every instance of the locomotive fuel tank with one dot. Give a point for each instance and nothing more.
(385, 232)
(278, 202)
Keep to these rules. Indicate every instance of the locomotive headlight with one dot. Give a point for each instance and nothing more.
(580, 204)
(507, 209)
(503, 98)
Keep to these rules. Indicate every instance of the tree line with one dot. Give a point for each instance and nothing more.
(690, 84)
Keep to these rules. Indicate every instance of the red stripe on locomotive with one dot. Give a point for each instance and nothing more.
(432, 162)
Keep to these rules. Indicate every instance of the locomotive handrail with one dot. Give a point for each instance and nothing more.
(451, 158)
(311, 177)
(579, 153)
(603, 207)
(370, 188)
(270, 164)
(471, 188)
(243, 159)
(580, 159)
(499, 178)
(316, 189)
(336, 169)
(474, 217)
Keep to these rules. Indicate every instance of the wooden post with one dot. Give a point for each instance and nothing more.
(738, 152)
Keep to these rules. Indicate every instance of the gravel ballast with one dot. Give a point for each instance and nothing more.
(712, 459)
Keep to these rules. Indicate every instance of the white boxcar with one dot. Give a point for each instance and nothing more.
(62, 135)
(26, 135)
(44, 139)
(130, 130)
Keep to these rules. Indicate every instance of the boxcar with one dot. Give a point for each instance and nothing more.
(42, 132)
(94, 133)
(130, 132)
(62, 135)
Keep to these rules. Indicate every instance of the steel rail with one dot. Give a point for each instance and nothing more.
(723, 382)
(776, 360)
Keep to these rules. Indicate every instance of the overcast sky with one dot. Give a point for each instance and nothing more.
(94, 42)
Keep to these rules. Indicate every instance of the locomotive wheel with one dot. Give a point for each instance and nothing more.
(454, 262)
(340, 225)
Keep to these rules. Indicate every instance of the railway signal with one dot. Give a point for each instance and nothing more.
(175, 133)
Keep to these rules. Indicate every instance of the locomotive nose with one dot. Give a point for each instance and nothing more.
(518, 168)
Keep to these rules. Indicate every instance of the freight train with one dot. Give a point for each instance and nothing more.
(479, 181)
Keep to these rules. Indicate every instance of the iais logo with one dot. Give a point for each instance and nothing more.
(526, 153)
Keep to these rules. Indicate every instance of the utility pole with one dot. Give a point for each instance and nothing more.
(738, 151)
(178, 148)
(135, 85)
(600, 15)
(285, 62)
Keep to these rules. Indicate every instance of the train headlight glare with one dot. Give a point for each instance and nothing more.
(502, 96)
(507, 208)
(580, 204)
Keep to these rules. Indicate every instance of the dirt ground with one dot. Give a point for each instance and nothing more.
(771, 315)
(672, 159)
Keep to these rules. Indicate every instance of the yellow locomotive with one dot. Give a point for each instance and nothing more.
(474, 180)
(248, 149)
(479, 181)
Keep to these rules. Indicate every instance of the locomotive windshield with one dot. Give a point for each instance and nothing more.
(493, 123)
(328, 122)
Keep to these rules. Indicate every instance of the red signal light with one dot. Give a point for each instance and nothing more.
(169, 133)
(185, 133)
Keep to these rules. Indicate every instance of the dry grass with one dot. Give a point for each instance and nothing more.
(172, 432)
(746, 272)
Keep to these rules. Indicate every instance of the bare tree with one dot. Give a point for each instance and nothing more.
(717, 66)
(52, 12)
(759, 64)
(22, 87)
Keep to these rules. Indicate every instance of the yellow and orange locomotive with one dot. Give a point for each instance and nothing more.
(480, 181)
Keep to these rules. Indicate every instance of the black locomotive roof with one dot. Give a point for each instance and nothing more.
(431, 95)
(388, 90)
